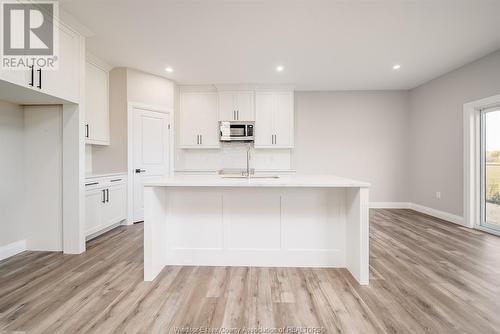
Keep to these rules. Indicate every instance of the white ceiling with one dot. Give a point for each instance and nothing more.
(323, 45)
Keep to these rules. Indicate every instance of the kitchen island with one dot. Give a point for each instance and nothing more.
(290, 221)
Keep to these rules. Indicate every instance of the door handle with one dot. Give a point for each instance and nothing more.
(39, 78)
(86, 130)
(138, 170)
(103, 196)
(107, 195)
(32, 83)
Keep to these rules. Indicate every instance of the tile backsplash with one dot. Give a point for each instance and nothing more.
(232, 155)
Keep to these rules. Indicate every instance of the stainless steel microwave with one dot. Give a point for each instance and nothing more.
(236, 131)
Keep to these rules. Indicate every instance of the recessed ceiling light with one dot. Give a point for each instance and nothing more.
(169, 69)
(280, 68)
(396, 67)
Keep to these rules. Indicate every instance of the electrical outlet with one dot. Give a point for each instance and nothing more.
(438, 194)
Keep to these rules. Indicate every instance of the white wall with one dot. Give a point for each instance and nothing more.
(436, 132)
(43, 177)
(12, 169)
(359, 135)
(31, 196)
(149, 89)
(88, 159)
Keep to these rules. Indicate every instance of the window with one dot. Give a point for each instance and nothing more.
(490, 168)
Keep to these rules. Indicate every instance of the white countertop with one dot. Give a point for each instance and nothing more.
(294, 180)
(94, 176)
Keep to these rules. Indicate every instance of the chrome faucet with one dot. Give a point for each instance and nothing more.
(247, 173)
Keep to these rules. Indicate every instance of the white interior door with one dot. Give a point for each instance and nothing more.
(151, 153)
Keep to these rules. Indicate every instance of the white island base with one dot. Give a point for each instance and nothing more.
(293, 221)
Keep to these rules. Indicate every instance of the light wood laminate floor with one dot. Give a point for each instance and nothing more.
(426, 276)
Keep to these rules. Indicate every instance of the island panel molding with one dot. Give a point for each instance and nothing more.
(294, 221)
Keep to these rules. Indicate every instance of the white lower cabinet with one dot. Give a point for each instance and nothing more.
(114, 208)
(105, 203)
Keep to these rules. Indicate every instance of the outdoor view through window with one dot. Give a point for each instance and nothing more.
(492, 167)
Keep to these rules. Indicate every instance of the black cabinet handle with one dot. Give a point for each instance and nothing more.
(107, 195)
(32, 82)
(137, 170)
(103, 196)
(91, 184)
(86, 130)
(115, 180)
(39, 78)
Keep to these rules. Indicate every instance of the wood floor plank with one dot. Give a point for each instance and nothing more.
(426, 276)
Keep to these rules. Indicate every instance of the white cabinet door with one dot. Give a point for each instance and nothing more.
(209, 125)
(114, 210)
(245, 106)
(65, 81)
(264, 127)
(283, 119)
(18, 77)
(274, 120)
(198, 120)
(96, 105)
(236, 106)
(227, 107)
(93, 210)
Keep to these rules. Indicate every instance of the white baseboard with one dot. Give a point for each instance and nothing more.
(12, 249)
(390, 205)
(420, 208)
(439, 214)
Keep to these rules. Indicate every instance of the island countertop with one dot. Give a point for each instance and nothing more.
(295, 180)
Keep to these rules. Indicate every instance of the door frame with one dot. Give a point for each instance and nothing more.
(472, 161)
(130, 149)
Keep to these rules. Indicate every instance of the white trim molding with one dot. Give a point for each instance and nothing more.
(439, 214)
(420, 208)
(12, 249)
(390, 205)
(471, 163)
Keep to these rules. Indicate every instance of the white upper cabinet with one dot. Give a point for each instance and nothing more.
(96, 102)
(274, 120)
(198, 120)
(18, 77)
(236, 106)
(62, 82)
(65, 81)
